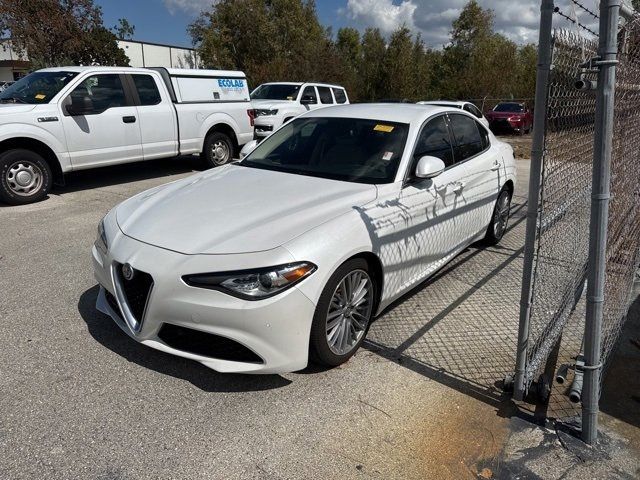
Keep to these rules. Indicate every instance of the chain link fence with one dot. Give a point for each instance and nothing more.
(552, 329)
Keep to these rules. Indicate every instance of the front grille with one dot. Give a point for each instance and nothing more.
(113, 303)
(136, 291)
(206, 344)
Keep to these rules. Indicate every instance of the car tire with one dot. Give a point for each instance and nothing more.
(499, 219)
(25, 177)
(335, 337)
(218, 149)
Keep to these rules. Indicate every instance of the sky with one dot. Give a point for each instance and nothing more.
(165, 21)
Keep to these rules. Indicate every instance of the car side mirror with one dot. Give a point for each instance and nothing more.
(248, 148)
(429, 167)
(308, 100)
(80, 105)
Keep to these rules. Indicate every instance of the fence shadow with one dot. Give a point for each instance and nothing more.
(459, 328)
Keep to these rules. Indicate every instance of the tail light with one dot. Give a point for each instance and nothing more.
(252, 116)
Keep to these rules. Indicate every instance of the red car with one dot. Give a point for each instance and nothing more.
(510, 116)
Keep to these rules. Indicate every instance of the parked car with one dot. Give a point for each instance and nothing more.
(510, 116)
(57, 120)
(277, 103)
(287, 255)
(466, 106)
(4, 85)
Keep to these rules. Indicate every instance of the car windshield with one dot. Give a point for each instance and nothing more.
(275, 91)
(508, 107)
(37, 87)
(348, 149)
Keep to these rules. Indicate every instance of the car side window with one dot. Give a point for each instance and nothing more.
(469, 141)
(325, 95)
(148, 92)
(341, 97)
(435, 141)
(103, 91)
(473, 110)
(310, 93)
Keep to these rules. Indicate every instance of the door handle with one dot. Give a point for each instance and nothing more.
(458, 187)
(495, 166)
(129, 119)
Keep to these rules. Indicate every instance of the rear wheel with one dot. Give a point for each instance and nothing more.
(343, 314)
(499, 219)
(25, 177)
(218, 149)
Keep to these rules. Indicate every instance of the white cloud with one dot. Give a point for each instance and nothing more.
(192, 7)
(383, 14)
(518, 20)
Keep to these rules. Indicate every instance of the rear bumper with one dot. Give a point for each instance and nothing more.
(275, 329)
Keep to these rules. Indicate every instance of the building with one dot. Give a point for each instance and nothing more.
(141, 54)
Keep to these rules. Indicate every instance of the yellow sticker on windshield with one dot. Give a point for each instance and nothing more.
(40, 96)
(383, 128)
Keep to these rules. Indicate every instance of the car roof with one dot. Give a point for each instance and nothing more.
(305, 83)
(171, 71)
(390, 112)
(453, 103)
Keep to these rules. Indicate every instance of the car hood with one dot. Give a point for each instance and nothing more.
(271, 104)
(8, 108)
(235, 209)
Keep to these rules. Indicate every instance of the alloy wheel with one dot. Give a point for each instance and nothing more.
(24, 178)
(501, 215)
(349, 312)
(220, 153)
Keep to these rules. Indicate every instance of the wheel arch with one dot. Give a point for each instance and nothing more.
(38, 147)
(228, 130)
(508, 185)
(375, 264)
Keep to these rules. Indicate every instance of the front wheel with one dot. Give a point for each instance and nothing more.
(218, 149)
(25, 177)
(343, 314)
(499, 219)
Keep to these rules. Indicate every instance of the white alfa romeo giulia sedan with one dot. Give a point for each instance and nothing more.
(288, 255)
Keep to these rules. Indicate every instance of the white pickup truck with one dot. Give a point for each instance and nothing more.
(57, 120)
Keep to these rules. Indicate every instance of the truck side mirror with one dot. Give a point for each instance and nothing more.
(308, 100)
(80, 105)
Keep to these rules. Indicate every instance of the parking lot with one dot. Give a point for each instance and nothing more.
(82, 400)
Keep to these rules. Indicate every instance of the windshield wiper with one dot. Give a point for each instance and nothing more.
(12, 100)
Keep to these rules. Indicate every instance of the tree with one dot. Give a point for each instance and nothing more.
(57, 32)
(372, 67)
(349, 51)
(124, 29)
(268, 40)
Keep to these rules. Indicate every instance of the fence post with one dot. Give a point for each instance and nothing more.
(603, 139)
(537, 152)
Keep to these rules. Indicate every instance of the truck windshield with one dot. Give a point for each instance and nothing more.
(348, 149)
(37, 87)
(275, 91)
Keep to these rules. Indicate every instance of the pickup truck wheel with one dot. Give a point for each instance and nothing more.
(25, 177)
(218, 149)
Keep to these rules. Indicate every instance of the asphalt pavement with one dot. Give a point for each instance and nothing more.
(80, 399)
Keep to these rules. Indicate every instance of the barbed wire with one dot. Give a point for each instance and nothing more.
(575, 22)
(579, 5)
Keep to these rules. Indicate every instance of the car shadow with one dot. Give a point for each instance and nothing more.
(128, 172)
(107, 333)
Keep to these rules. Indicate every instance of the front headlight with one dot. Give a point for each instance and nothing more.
(253, 284)
(260, 113)
(101, 240)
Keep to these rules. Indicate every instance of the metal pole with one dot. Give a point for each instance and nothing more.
(607, 53)
(537, 151)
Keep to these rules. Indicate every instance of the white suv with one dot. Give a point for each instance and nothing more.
(277, 103)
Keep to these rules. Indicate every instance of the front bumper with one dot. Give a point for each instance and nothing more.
(265, 126)
(275, 329)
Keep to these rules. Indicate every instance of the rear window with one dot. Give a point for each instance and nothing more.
(341, 97)
(325, 95)
(148, 92)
